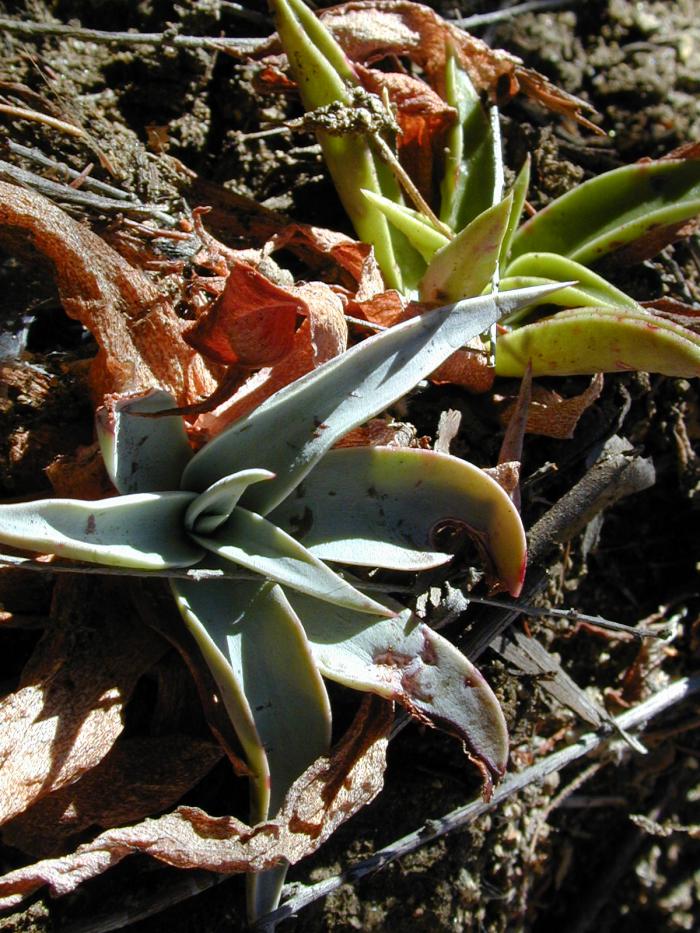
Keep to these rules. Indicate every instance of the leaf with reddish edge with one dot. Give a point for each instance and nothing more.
(404, 660)
(382, 506)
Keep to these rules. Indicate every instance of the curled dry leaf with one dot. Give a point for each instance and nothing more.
(319, 801)
(136, 328)
(144, 775)
(553, 416)
(68, 710)
(375, 29)
(337, 257)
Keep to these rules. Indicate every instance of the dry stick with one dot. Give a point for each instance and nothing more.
(34, 30)
(88, 183)
(35, 116)
(58, 192)
(533, 6)
(182, 885)
(616, 474)
(462, 816)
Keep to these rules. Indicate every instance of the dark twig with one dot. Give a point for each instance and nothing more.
(70, 174)
(462, 816)
(34, 30)
(67, 195)
(499, 16)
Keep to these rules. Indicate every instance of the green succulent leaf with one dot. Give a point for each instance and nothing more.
(133, 446)
(466, 264)
(471, 163)
(216, 504)
(590, 289)
(613, 209)
(419, 231)
(269, 682)
(307, 417)
(590, 340)
(144, 531)
(519, 192)
(384, 507)
(324, 74)
(253, 542)
(406, 661)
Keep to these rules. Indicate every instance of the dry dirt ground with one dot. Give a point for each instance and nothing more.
(585, 865)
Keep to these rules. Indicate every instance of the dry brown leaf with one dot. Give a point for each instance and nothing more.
(319, 801)
(326, 314)
(507, 475)
(251, 323)
(553, 416)
(380, 432)
(468, 368)
(81, 475)
(136, 328)
(385, 308)
(145, 775)
(68, 710)
(260, 386)
(337, 257)
(375, 29)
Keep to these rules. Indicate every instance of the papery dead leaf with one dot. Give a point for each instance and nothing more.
(135, 326)
(385, 308)
(375, 29)
(251, 323)
(326, 314)
(145, 775)
(380, 432)
(319, 801)
(553, 416)
(68, 710)
(331, 254)
(507, 475)
(259, 386)
(468, 368)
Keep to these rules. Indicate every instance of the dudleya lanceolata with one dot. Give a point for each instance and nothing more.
(268, 496)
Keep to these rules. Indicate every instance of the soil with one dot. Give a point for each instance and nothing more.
(580, 866)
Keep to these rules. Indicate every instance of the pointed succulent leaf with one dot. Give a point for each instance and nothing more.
(386, 507)
(613, 209)
(307, 417)
(404, 660)
(215, 505)
(590, 340)
(253, 542)
(269, 682)
(144, 530)
(143, 454)
(519, 192)
(465, 265)
(590, 289)
(469, 178)
(420, 232)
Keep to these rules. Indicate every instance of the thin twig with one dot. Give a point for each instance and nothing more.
(572, 615)
(36, 116)
(34, 30)
(64, 193)
(89, 183)
(462, 816)
(499, 16)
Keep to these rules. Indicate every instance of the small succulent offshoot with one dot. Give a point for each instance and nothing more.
(477, 245)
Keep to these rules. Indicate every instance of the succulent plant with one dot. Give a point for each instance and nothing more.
(473, 242)
(269, 506)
